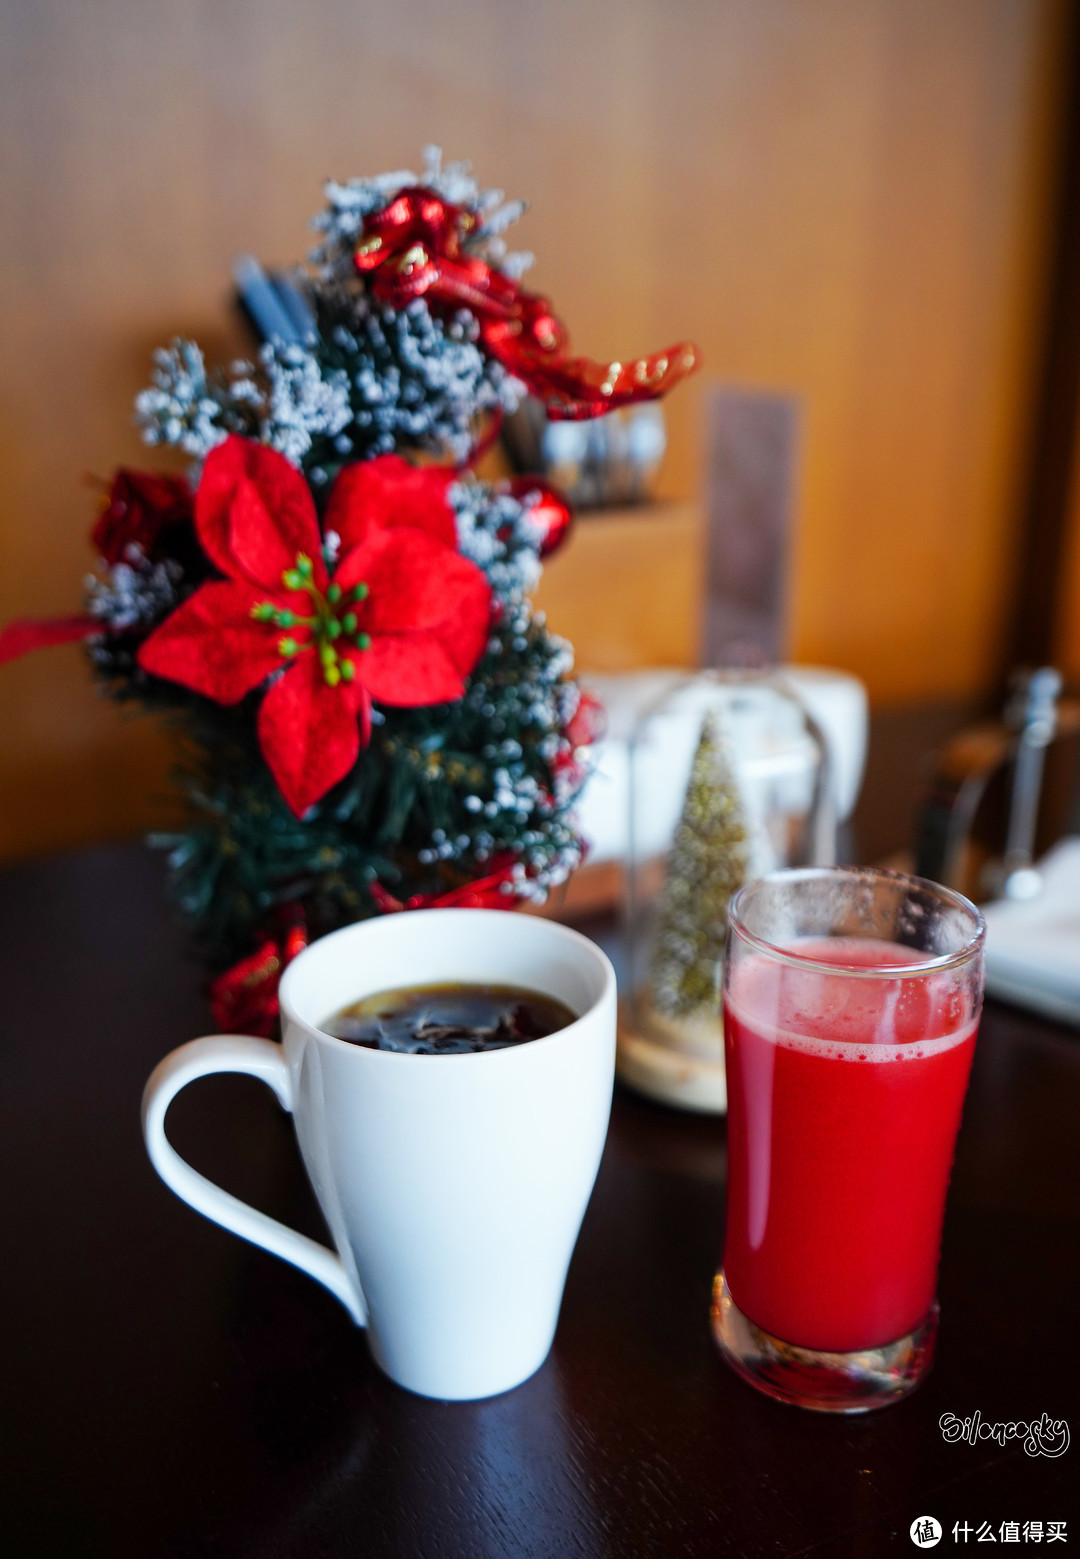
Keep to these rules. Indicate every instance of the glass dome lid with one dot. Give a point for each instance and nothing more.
(728, 781)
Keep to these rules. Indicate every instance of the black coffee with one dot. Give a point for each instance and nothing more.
(449, 1020)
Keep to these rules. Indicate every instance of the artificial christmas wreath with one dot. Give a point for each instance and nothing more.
(335, 611)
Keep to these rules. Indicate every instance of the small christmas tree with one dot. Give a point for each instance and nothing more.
(330, 608)
(706, 865)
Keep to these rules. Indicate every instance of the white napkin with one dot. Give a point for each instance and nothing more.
(1033, 946)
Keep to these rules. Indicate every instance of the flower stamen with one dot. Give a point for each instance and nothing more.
(325, 625)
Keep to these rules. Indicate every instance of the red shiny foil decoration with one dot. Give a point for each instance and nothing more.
(244, 1000)
(413, 248)
(482, 893)
(547, 508)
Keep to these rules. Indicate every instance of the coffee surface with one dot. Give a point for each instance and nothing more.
(448, 1020)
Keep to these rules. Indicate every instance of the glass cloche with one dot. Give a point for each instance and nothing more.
(728, 780)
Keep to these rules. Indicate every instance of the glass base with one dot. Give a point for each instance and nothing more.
(808, 1377)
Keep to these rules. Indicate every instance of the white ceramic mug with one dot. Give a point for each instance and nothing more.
(453, 1186)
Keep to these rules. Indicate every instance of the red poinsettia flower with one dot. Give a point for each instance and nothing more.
(402, 621)
(138, 507)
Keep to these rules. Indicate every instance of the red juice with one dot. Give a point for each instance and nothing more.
(844, 1099)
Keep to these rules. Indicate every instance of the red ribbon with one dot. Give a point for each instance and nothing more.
(29, 633)
(413, 248)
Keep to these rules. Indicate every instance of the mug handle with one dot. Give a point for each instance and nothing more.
(258, 1058)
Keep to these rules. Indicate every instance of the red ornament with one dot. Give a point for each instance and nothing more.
(412, 248)
(548, 509)
(403, 620)
(138, 507)
(588, 722)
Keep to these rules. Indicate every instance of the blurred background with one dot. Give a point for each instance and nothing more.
(867, 210)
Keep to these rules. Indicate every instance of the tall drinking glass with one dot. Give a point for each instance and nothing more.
(851, 1001)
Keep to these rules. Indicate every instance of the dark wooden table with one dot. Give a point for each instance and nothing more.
(168, 1390)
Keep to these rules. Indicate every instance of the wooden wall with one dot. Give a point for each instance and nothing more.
(1067, 627)
(843, 199)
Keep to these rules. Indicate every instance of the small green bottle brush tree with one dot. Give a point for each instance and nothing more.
(706, 866)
